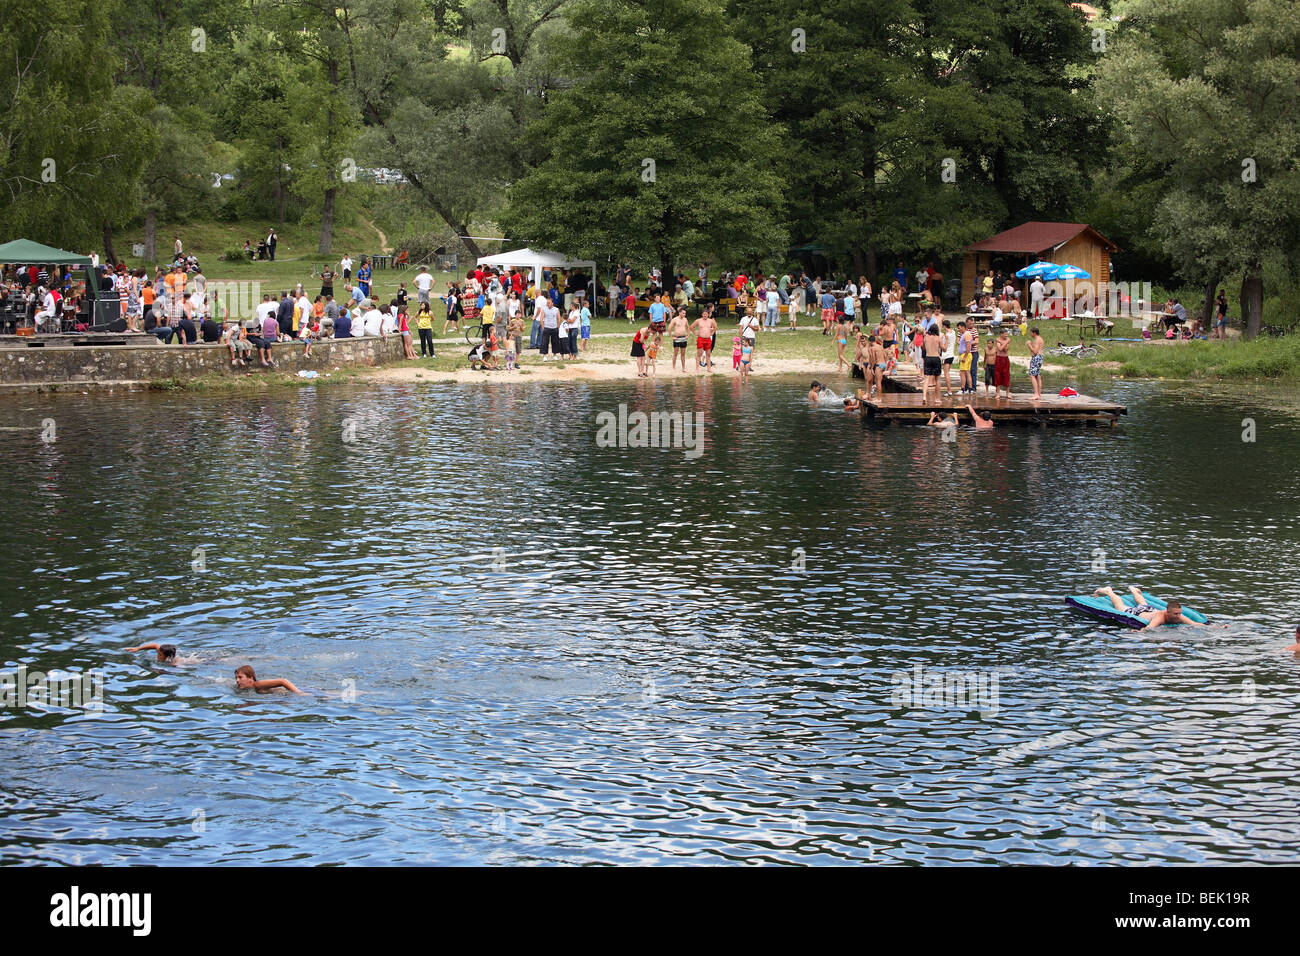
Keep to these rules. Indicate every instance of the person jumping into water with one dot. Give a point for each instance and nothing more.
(1154, 617)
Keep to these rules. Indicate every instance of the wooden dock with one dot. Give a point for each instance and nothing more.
(902, 403)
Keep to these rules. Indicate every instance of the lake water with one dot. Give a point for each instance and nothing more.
(520, 646)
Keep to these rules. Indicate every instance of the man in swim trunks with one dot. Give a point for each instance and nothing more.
(1153, 616)
(659, 314)
(878, 360)
(827, 303)
(704, 328)
(1002, 365)
(678, 329)
(1036, 345)
(932, 351)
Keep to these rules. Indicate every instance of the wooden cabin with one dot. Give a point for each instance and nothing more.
(1073, 243)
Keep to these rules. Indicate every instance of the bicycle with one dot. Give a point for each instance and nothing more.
(1075, 351)
(476, 333)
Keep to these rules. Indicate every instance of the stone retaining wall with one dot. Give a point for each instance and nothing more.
(62, 364)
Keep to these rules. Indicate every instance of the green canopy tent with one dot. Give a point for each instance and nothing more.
(24, 252)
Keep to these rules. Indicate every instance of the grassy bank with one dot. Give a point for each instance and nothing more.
(1264, 358)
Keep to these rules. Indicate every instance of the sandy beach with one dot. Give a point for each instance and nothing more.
(536, 370)
(611, 369)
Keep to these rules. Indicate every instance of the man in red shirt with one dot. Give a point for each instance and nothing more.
(516, 281)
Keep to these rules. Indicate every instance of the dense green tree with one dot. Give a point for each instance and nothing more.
(71, 149)
(1208, 93)
(832, 75)
(661, 149)
(878, 96)
(449, 115)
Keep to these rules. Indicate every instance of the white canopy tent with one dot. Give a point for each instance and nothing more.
(536, 260)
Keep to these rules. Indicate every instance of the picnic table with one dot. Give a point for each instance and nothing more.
(1084, 319)
(381, 261)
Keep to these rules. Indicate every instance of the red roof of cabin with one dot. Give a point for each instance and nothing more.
(1035, 237)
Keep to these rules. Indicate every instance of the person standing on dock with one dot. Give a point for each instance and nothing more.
(1036, 345)
(1002, 366)
(878, 359)
(972, 336)
(932, 355)
(990, 346)
(949, 353)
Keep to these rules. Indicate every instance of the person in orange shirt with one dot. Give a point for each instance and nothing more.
(147, 296)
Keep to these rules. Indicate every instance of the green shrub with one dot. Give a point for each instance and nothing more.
(234, 255)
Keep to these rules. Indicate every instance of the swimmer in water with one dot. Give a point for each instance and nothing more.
(942, 421)
(815, 391)
(853, 404)
(245, 678)
(166, 652)
(975, 417)
(1295, 648)
(1154, 617)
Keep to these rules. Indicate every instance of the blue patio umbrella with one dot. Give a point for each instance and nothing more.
(1067, 272)
(1037, 269)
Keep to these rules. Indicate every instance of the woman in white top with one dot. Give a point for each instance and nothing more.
(864, 296)
(749, 331)
(571, 325)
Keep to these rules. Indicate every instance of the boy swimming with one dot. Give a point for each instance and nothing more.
(245, 679)
(1154, 617)
(166, 652)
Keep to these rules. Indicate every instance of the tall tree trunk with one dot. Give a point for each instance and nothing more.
(1252, 299)
(1207, 307)
(872, 266)
(327, 222)
(110, 254)
(150, 234)
(281, 195)
(327, 210)
(859, 263)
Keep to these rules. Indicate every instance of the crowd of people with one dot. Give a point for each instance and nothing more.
(508, 310)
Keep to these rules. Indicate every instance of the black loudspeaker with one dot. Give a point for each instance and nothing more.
(108, 316)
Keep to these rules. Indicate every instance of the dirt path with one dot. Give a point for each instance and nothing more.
(383, 240)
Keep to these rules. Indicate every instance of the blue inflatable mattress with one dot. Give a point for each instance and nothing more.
(1102, 608)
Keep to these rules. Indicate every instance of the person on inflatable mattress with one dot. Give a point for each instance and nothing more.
(1154, 617)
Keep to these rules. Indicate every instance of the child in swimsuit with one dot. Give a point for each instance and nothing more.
(746, 359)
(735, 353)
